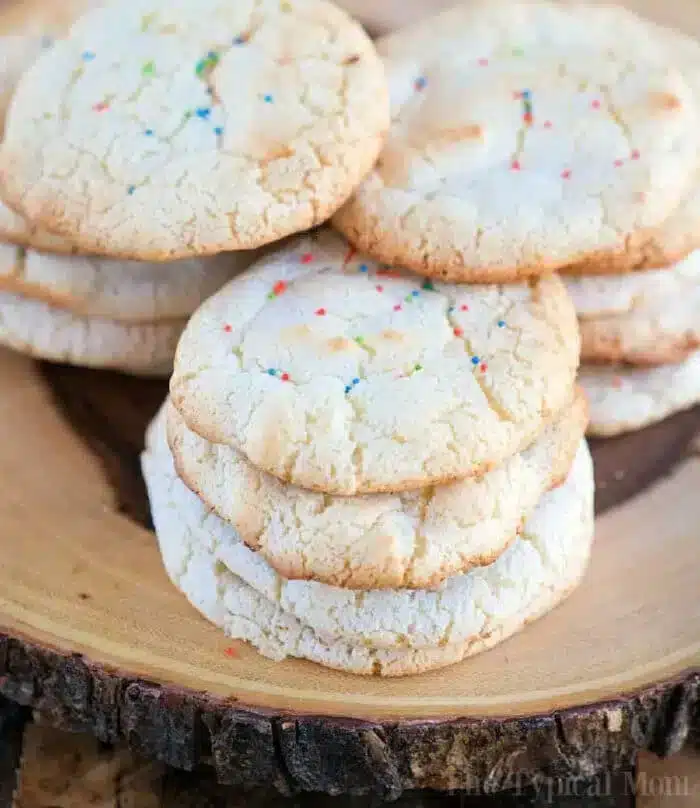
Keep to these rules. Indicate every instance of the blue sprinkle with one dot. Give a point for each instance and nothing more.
(88, 56)
(415, 293)
(203, 113)
(130, 190)
(420, 83)
(526, 94)
(450, 310)
(239, 40)
(267, 99)
(271, 372)
(212, 55)
(355, 381)
(501, 323)
(210, 91)
(148, 132)
(363, 268)
(347, 389)
(475, 360)
(218, 130)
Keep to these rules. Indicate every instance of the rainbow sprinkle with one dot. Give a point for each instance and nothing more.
(353, 383)
(279, 288)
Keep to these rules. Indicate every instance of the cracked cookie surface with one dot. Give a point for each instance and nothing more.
(624, 399)
(342, 375)
(415, 539)
(124, 291)
(388, 632)
(525, 136)
(45, 332)
(651, 317)
(162, 129)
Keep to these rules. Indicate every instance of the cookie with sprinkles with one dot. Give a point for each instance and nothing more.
(650, 317)
(624, 399)
(158, 130)
(525, 136)
(125, 291)
(342, 375)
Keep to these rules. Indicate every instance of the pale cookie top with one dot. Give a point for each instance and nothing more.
(625, 399)
(341, 375)
(415, 539)
(26, 29)
(650, 317)
(163, 129)
(524, 137)
(127, 291)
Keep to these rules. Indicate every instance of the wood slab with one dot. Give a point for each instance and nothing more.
(95, 637)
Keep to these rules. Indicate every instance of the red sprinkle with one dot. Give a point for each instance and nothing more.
(635, 154)
(464, 307)
(618, 163)
(101, 106)
(348, 255)
(484, 367)
(285, 377)
(279, 287)
(547, 124)
(515, 165)
(379, 288)
(227, 328)
(320, 312)
(307, 258)
(595, 104)
(457, 331)
(397, 307)
(566, 174)
(231, 652)
(483, 62)
(527, 117)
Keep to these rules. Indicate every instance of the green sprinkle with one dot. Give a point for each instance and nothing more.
(428, 284)
(359, 340)
(149, 68)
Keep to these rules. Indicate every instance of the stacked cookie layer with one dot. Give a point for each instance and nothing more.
(87, 310)
(374, 471)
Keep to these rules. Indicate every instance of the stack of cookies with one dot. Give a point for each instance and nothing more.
(360, 467)
(128, 166)
(531, 135)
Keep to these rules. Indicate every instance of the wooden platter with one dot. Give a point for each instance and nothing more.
(96, 638)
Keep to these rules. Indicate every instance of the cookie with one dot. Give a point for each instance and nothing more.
(525, 136)
(415, 539)
(125, 291)
(158, 130)
(35, 328)
(341, 375)
(625, 399)
(383, 632)
(650, 317)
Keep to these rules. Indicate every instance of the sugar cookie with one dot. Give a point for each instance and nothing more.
(160, 129)
(341, 375)
(35, 328)
(648, 317)
(415, 539)
(525, 136)
(626, 399)
(126, 291)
